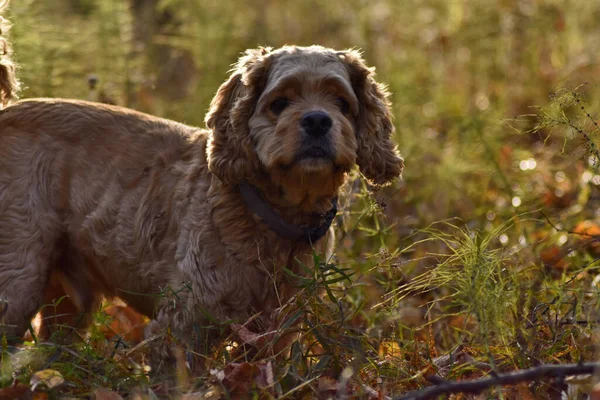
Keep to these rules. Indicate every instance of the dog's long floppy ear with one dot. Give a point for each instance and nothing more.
(231, 155)
(377, 156)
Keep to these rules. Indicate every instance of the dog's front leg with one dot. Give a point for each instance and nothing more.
(180, 338)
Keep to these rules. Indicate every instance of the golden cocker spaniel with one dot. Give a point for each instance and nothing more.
(182, 222)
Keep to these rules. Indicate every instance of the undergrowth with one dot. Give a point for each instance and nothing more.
(483, 259)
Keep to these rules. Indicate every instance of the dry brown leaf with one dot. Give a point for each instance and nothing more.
(595, 392)
(241, 377)
(105, 394)
(251, 338)
(327, 386)
(520, 391)
(552, 257)
(141, 394)
(16, 391)
(126, 322)
(463, 322)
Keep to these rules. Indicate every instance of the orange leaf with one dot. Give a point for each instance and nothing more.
(587, 228)
(125, 322)
(390, 348)
(589, 231)
(553, 257)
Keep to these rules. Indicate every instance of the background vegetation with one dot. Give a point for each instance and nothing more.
(484, 258)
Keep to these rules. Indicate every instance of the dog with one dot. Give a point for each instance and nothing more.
(182, 223)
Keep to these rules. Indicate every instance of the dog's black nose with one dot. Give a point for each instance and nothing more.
(316, 123)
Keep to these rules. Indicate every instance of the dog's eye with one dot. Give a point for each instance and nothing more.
(278, 105)
(343, 105)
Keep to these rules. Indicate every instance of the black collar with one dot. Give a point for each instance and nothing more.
(257, 204)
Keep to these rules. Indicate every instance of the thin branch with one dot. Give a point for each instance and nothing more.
(582, 269)
(571, 232)
(510, 378)
(578, 322)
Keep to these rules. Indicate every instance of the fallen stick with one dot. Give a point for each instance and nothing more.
(510, 378)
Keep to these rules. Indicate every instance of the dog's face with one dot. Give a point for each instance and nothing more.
(304, 117)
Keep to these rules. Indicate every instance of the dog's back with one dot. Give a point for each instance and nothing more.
(80, 178)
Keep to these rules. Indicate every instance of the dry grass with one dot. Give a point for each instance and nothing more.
(482, 259)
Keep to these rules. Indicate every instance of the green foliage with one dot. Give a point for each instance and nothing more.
(476, 277)
(509, 280)
(567, 112)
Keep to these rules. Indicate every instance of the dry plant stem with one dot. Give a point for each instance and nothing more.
(510, 378)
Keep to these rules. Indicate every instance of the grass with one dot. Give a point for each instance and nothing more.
(485, 254)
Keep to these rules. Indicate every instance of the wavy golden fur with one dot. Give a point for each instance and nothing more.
(97, 200)
(9, 84)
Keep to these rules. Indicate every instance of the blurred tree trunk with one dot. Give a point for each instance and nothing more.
(170, 71)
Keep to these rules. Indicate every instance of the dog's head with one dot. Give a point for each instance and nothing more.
(304, 116)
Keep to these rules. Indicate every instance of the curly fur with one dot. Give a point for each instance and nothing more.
(9, 84)
(232, 156)
(97, 200)
(377, 156)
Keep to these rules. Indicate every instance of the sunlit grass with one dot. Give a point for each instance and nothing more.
(493, 124)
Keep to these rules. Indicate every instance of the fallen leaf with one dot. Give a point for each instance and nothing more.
(249, 337)
(241, 377)
(48, 377)
(126, 322)
(390, 348)
(595, 392)
(105, 394)
(16, 391)
(552, 257)
(327, 386)
(142, 394)
(587, 228)
(589, 235)
(522, 391)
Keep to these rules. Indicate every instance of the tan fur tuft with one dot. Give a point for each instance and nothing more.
(9, 84)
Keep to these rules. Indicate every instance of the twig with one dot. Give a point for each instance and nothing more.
(510, 378)
(582, 269)
(590, 240)
(570, 231)
(571, 321)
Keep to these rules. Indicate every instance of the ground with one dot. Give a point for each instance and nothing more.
(480, 261)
